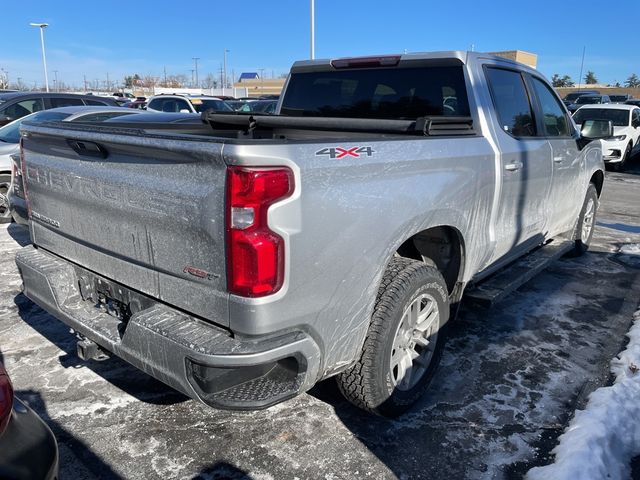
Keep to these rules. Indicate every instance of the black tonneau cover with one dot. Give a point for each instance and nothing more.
(429, 126)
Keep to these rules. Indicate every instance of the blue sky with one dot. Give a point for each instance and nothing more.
(120, 38)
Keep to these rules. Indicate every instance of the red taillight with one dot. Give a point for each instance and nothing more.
(6, 399)
(255, 254)
(366, 62)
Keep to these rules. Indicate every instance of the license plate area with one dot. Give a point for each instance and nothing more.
(111, 297)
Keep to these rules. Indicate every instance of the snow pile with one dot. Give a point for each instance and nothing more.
(601, 440)
(630, 249)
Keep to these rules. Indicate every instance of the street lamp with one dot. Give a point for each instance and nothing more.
(313, 30)
(195, 59)
(42, 26)
(224, 81)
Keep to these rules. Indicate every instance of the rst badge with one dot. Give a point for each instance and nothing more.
(342, 152)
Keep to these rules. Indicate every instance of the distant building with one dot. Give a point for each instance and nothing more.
(529, 59)
(248, 76)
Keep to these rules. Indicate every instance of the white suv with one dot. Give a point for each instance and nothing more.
(186, 104)
(617, 150)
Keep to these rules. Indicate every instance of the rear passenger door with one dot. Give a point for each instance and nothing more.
(526, 165)
(565, 198)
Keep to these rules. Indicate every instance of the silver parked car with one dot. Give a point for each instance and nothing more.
(10, 138)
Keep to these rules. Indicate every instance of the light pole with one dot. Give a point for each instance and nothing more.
(55, 81)
(584, 49)
(261, 81)
(195, 59)
(224, 82)
(42, 26)
(313, 32)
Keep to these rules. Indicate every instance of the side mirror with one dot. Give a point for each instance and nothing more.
(5, 119)
(594, 130)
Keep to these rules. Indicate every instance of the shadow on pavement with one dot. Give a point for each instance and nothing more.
(497, 388)
(93, 463)
(116, 371)
(20, 234)
(222, 471)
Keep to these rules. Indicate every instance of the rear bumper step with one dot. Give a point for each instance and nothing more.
(195, 357)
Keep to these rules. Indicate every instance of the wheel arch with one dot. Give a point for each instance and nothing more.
(444, 246)
(597, 178)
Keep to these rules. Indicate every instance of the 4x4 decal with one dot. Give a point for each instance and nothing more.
(341, 152)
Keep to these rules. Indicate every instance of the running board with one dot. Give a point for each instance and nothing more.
(495, 288)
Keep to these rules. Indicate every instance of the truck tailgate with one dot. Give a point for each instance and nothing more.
(145, 211)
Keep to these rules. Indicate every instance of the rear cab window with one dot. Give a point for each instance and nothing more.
(400, 93)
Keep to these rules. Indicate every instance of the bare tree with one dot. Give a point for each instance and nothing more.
(149, 81)
(210, 81)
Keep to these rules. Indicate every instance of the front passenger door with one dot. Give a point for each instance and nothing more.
(566, 196)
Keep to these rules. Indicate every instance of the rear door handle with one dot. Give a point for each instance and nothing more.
(512, 167)
(558, 159)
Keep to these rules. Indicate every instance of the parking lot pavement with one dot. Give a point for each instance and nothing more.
(509, 380)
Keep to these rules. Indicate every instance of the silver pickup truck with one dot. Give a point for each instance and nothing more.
(243, 258)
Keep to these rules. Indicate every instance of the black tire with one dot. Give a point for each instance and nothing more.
(582, 238)
(5, 213)
(370, 383)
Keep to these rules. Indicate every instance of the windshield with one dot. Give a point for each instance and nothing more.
(589, 100)
(384, 93)
(202, 105)
(10, 133)
(619, 118)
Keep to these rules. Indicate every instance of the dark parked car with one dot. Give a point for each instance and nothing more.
(264, 106)
(620, 98)
(137, 103)
(17, 105)
(570, 98)
(28, 449)
(634, 102)
(590, 99)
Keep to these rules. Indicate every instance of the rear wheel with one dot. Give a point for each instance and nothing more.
(404, 343)
(586, 221)
(5, 213)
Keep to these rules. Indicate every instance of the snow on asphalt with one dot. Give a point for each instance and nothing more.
(602, 439)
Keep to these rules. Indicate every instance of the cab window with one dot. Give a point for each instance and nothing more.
(553, 115)
(511, 102)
